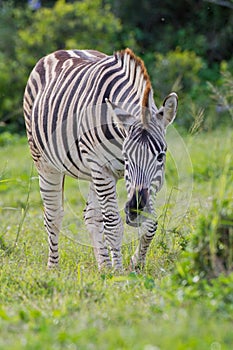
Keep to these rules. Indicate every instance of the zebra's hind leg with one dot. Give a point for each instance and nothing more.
(139, 257)
(94, 222)
(51, 189)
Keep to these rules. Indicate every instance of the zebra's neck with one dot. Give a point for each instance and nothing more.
(138, 83)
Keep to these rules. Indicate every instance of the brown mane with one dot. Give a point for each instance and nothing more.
(145, 113)
(139, 62)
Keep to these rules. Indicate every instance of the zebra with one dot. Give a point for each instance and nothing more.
(92, 116)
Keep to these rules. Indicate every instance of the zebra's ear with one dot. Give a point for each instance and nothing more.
(167, 113)
(122, 118)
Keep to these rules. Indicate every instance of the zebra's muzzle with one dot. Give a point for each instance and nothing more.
(135, 206)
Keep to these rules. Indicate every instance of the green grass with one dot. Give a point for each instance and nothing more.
(172, 304)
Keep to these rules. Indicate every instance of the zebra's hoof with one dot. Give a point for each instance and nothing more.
(136, 266)
(52, 266)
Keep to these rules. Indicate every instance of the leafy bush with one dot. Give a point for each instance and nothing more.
(210, 252)
(84, 24)
(11, 70)
(223, 93)
(202, 26)
(179, 71)
(106, 26)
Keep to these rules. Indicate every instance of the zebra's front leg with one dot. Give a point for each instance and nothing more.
(94, 222)
(105, 187)
(139, 258)
(51, 189)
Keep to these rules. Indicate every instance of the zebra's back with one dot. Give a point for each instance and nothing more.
(56, 101)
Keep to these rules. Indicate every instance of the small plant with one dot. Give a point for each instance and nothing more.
(213, 240)
(198, 118)
(223, 94)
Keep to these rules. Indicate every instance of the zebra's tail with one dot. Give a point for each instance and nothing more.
(28, 102)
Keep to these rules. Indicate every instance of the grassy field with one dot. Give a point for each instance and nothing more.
(182, 300)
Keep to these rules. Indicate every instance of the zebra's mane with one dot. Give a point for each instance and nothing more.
(148, 88)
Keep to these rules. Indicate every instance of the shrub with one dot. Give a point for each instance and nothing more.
(210, 251)
(83, 25)
(179, 71)
(222, 93)
(176, 66)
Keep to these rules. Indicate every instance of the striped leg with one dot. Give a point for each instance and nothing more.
(139, 257)
(51, 189)
(94, 221)
(105, 187)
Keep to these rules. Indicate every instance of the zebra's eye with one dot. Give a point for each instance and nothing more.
(160, 157)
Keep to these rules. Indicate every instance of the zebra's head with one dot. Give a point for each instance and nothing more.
(144, 152)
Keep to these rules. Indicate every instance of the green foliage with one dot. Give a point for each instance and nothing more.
(7, 138)
(213, 240)
(209, 251)
(188, 51)
(177, 70)
(11, 73)
(180, 71)
(83, 24)
(223, 94)
(38, 306)
(201, 26)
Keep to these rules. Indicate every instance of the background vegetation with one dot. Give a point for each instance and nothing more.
(184, 297)
(182, 300)
(184, 45)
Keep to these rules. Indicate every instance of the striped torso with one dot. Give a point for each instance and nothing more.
(66, 118)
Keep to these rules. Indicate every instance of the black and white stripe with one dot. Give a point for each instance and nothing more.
(85, 117)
